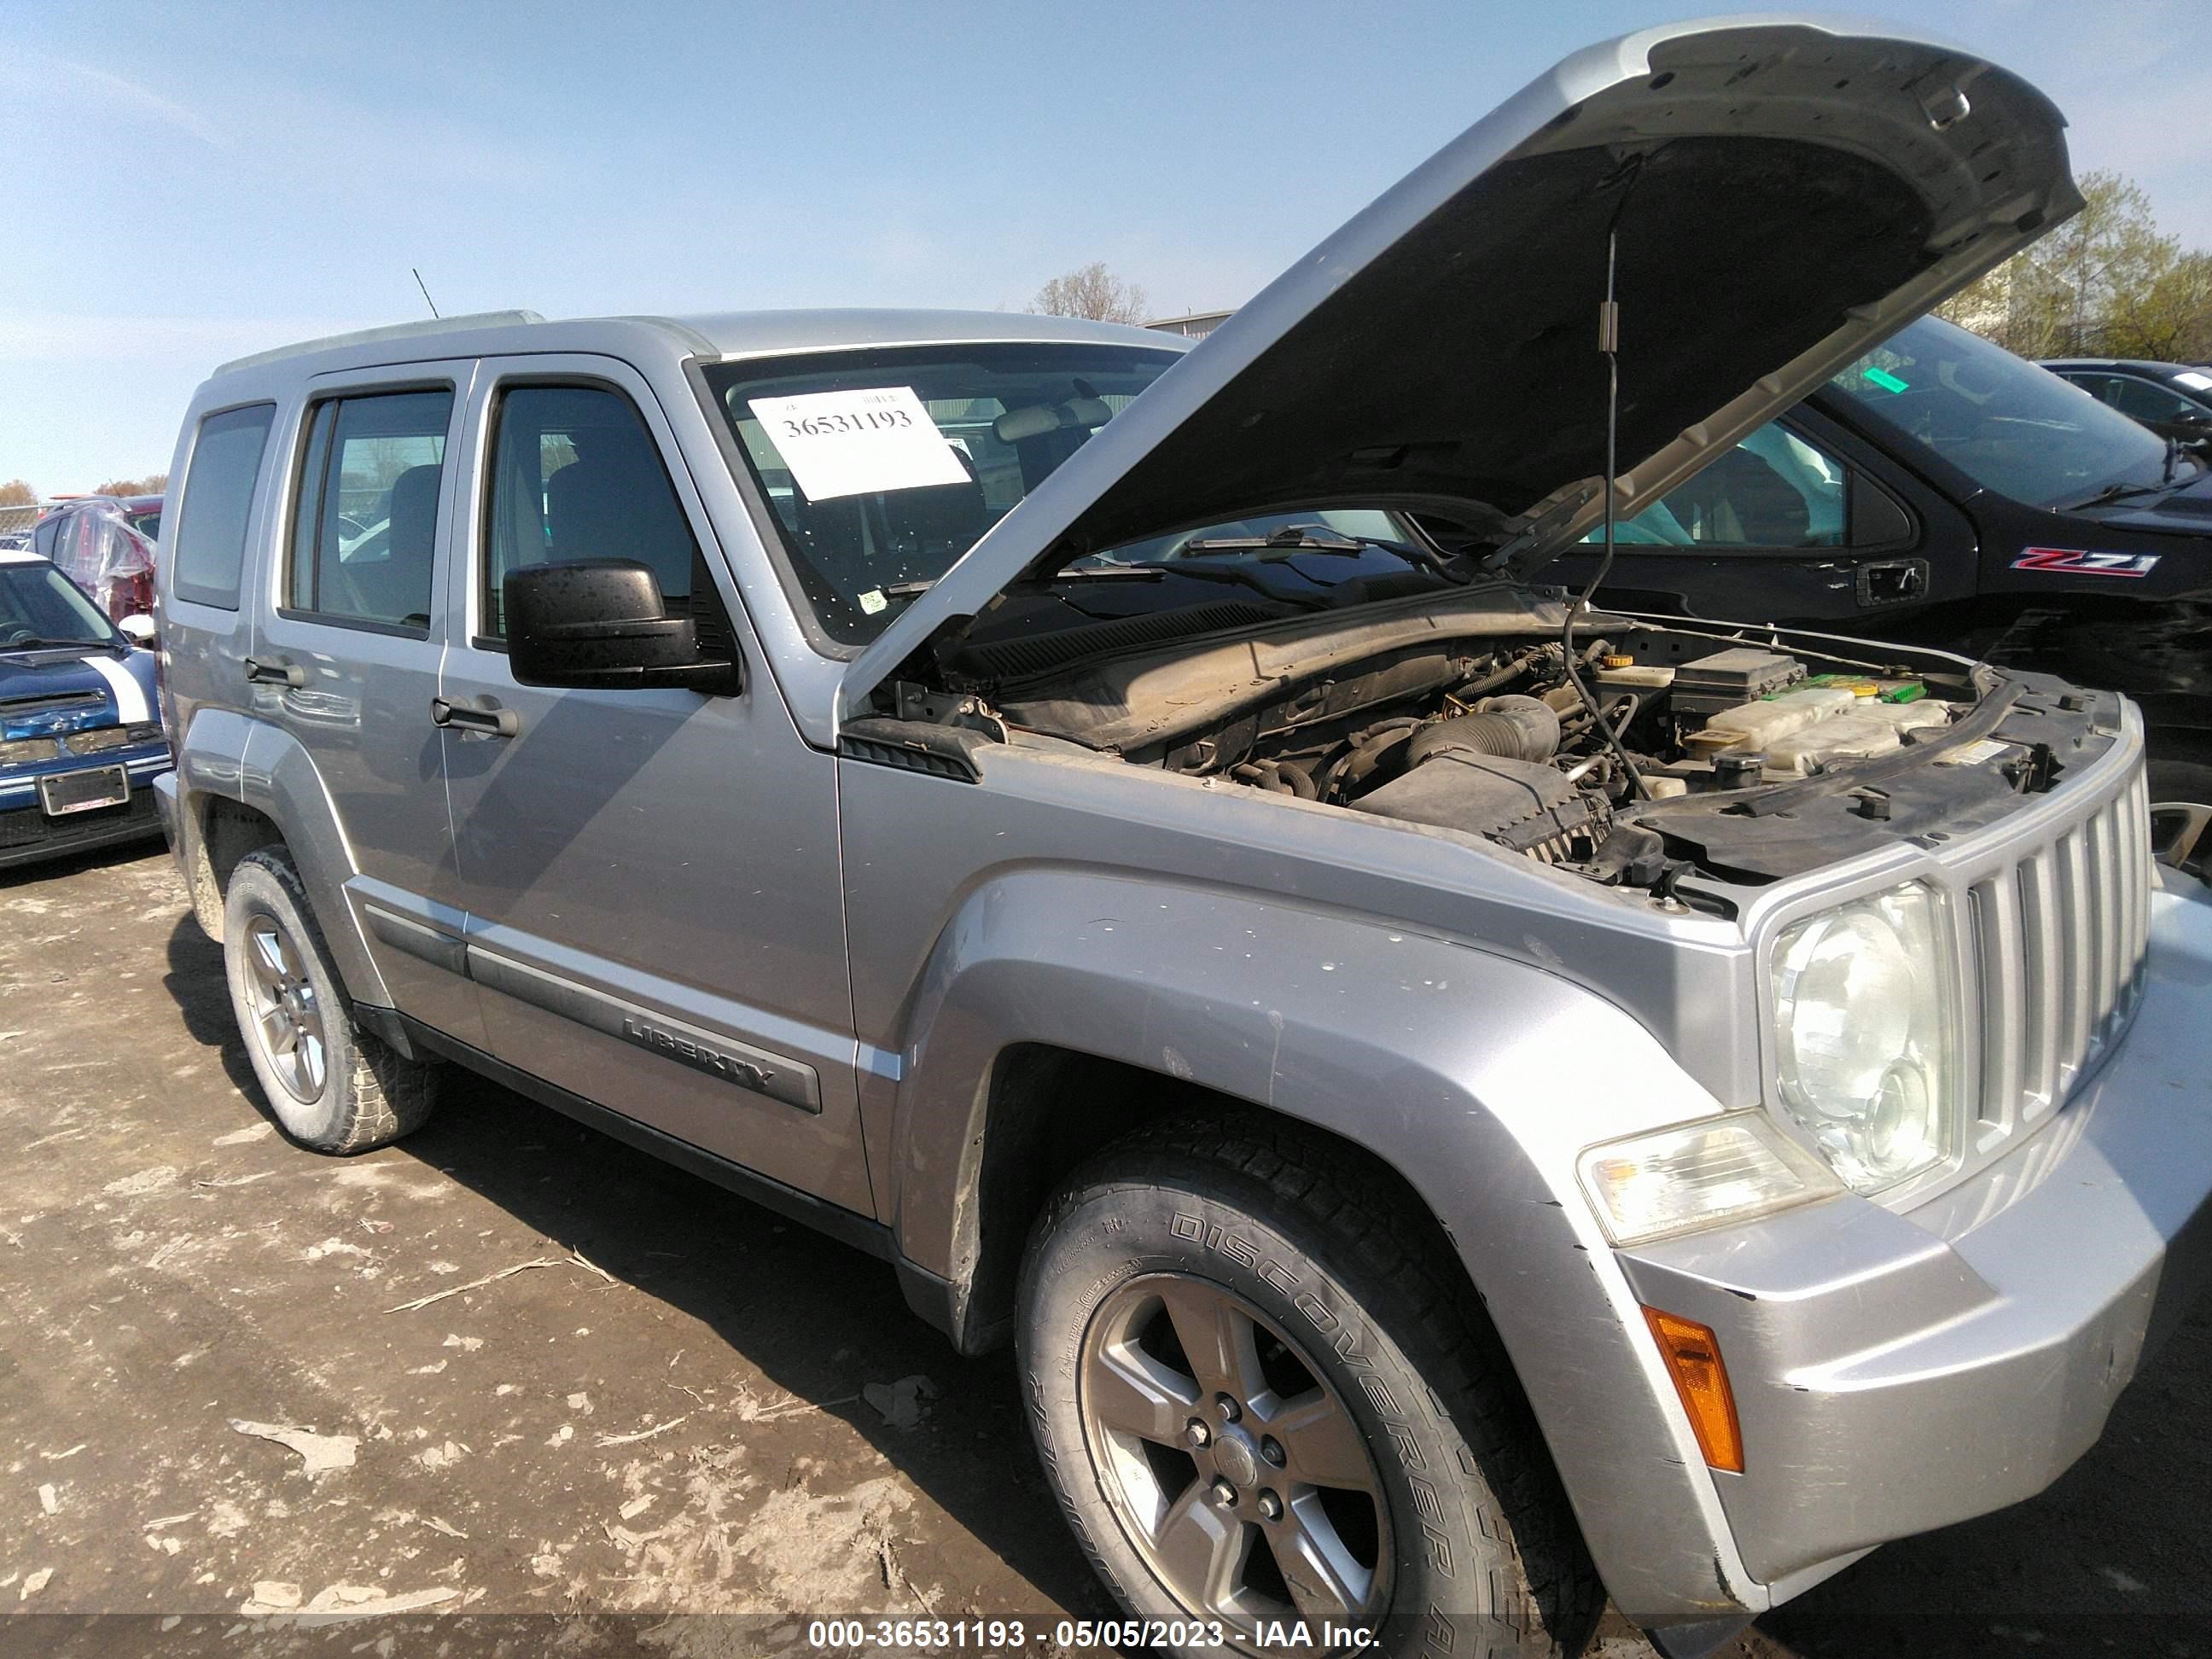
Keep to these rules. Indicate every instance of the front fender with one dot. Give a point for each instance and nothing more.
(1477, 1077)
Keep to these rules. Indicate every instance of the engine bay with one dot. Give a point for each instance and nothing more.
(1641, 757)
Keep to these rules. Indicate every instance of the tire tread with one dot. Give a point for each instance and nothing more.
(386, 1094)
(1472, 1379)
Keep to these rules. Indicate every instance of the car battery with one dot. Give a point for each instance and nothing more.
(1728, 679)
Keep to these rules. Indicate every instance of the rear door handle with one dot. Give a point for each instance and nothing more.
(274, 673)
(492, 722)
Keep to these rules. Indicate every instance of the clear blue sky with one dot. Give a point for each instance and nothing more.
(182, 183)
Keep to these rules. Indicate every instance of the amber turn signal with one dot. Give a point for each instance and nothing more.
(1693, 1360)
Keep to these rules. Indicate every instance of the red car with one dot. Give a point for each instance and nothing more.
(106, 544)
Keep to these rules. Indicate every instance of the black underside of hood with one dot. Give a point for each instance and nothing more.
(1462, 373)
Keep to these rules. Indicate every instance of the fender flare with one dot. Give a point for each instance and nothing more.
(1449, 1062)
(229, 756)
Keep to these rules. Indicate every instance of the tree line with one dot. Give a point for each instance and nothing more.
(18, 492)
(2106, 284)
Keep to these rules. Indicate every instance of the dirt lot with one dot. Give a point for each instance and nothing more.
(672, 1402)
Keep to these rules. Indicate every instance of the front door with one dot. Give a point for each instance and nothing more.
(656, 919)
(1796, 523)
(347, 660)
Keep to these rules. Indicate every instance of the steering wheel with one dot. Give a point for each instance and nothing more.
(18, 634)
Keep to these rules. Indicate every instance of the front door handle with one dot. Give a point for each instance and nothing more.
(274, 673)
(492, 722)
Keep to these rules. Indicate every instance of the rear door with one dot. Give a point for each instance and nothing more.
(656, 913)
(346, 659)
(1799, 523)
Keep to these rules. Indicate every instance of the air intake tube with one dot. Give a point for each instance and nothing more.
(1509, 728)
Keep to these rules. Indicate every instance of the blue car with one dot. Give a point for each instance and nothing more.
(80, 740)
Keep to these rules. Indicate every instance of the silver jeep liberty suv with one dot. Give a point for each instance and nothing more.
(1462, 1104)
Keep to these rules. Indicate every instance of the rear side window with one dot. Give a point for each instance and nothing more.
(218, 500)
(365, 530)
(2142, 400)
(576, 475)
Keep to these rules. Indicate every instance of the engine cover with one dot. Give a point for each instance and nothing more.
(1523, 805)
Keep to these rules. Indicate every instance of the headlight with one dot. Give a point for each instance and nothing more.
(1864, 1034)
(1698, 1174)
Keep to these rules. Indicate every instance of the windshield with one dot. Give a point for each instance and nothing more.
(2016, 430)
(39, 605)
(884, 466)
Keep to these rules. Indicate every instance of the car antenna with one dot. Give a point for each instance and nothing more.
(1608, 342)
(425, 287)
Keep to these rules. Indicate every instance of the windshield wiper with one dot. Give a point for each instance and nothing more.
(1157, 572)
(2127, 492)
(1293, 539)
(32, 642)
(1306, 538)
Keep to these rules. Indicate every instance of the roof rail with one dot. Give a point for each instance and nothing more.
(391, 332)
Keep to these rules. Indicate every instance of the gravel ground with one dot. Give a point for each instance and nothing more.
(633, 1396)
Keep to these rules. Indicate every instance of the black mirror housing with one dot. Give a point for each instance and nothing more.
(599, 624)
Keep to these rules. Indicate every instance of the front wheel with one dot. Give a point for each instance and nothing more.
(1262, 1400)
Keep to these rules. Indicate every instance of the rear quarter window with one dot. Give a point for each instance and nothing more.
(218, 502)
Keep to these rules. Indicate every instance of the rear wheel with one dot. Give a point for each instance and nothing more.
(1262, 1399)
(2181, 813)
(331, 1087)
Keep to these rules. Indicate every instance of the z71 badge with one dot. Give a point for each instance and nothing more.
(2078, 562)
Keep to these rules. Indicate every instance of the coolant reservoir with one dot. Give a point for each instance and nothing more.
(1763, 722)
(1858, 736)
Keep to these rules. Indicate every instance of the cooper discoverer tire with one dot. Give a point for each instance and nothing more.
(1258, 1394)
(333, 1088)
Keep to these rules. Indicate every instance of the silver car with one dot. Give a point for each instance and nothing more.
(1462, 1102)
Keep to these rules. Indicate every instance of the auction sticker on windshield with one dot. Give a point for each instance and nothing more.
(851, 443)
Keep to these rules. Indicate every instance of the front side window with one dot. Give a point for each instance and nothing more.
(2016, 430)
(218, 502)
(1773, 490)
(2142, 401)
(576, 475)
(882, 467)
(365, 529)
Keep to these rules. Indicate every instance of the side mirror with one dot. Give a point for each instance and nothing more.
(137, 628)
(598, 624)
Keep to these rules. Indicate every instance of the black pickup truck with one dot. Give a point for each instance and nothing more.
(1943, 491)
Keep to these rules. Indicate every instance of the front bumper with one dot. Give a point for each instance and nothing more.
(1897, 1372)
(27, 834)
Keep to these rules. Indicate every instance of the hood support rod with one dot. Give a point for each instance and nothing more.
(1608, 342)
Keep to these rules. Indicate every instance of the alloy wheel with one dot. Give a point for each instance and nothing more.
(288, 1018)
(1233, 1466)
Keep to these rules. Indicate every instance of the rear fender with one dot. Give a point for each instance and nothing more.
(229, 756)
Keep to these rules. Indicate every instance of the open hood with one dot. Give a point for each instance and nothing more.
(1786, 193)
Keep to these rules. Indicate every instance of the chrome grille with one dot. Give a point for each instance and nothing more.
(2057, 936)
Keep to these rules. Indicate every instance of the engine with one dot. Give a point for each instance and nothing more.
(1546, 760)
